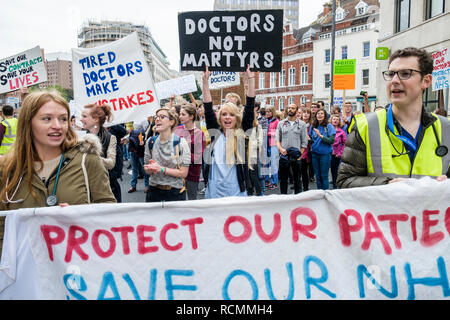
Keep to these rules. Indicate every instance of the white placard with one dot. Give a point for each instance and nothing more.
(177, 86)
(116, 74)
(222, 79)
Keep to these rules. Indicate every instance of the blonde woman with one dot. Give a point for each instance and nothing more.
(226, 168)
(47, 165)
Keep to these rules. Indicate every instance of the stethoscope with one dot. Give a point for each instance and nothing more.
(51, 200)
(441, 150)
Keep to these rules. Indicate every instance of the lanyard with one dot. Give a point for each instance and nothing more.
(390, 123)
(52, 199)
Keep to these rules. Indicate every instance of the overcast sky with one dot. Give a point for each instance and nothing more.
(53, 24)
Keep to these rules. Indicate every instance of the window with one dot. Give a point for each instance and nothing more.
(261, 80)
(361, 8)
(281, 103)
(304, 74)
(327, 81)
(402, 9)
(282, 79)
(434, 8)
(272, 101)
(291, 77)
(365, 77)
(344, 52)
(340, 14)
(366, 49)
(273, 80)
(327, 55)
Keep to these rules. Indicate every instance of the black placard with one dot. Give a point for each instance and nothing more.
(230, 40)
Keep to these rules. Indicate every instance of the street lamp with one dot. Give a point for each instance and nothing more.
(333, 29)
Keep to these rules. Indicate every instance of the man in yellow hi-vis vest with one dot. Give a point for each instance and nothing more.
(403, 140)
(8, 128)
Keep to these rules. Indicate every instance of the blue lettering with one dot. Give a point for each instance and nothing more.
(138, 66)
(291, 283)
(87, 80)
(94, 76)
(442, 280)
(315, 281)
(100, 76)
(110, 69)
(105, 87)
(121, 70)
(93, 63)
(108, 282)
(152, 285)
(98, 88)
(111, 56)
(100, 59)
(129, 69)
(362, 270)
(83, 61)
(170, 287)
(246, 275)
(114, 85)
(90, 90)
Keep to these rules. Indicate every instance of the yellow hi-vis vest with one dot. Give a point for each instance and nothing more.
(383, 159)
(10, 134)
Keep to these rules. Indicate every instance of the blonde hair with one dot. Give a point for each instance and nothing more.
(24, 152)
(234, 95)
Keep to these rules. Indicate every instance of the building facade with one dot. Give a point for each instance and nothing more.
(290, 7)
(59, 70)
(357, 23)
(93, 34)
(415, 23)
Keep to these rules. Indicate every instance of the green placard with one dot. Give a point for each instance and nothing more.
(382, 53)
(344, 67)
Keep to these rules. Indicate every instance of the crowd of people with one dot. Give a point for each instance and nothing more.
(237, 148)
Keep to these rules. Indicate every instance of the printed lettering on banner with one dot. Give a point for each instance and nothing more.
(116, 74)
(24, 69)
(224, 79)
(441, 69)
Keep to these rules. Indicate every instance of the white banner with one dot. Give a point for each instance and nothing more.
(116, 74)
(384, 242)
(24, 69)
(177, 86)
(221, 80)
(441, 69)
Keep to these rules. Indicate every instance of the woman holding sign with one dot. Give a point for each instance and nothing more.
(226, 165)
(47, 165)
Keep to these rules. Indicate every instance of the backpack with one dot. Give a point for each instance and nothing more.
(176, 144)
(116, 172)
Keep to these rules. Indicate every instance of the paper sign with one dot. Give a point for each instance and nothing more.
(177, 86)
(223, 79)
(380, 242)
(344, 74)
(382, 53)
(230, 40)
(24, 69)
(441, 69)
(116, 74)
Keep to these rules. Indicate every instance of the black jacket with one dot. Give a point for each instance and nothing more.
(247, 123)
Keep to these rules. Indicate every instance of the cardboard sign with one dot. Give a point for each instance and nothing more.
(344, 74)
(441, 69)
(24, 69)
(230, 40)
(223, 79)
(381, 242)
(177, 86)
(116, 74)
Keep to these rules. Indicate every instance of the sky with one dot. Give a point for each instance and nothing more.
(53, 24)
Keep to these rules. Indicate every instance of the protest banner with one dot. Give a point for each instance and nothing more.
(344, 74)
(380, 242)
(116, 74)
(177, 86)
(223, 79)
(24, 69)
(441, 69)
(231, 40)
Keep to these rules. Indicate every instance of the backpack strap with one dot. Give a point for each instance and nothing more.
(176, 145)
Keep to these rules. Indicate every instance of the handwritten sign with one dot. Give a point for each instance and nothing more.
(24, 69)
(116, 74)
(177, 86)
(383, 242)
(441, 69)
(230, 40)
(224, 79)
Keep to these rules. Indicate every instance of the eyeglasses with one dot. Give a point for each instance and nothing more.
(162, 117)
(404, 74)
